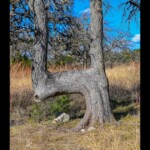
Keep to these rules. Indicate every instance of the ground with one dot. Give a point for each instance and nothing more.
(123, 135)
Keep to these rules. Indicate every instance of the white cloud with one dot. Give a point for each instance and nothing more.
(86, 10)
(136, 38)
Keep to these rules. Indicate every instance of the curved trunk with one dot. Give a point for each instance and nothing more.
(91, 83)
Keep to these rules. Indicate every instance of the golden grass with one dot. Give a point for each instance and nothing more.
(125, 76)
(44, 136)
(20, 78)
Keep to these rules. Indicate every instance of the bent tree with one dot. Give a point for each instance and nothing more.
(91, 83)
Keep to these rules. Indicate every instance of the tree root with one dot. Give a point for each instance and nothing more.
(84, 122)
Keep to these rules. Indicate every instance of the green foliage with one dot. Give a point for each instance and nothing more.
(24, 60)
(124, 110)
(137, 55)
(62, 60)
(126, 56)
(39, 111)
(49, 109)
(60, 105)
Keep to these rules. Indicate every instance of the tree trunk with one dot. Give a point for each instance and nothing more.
(91, 83)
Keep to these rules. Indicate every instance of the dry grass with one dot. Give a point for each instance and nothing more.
(125, 76)
(45, 136)
(123, 80)
(20, 78)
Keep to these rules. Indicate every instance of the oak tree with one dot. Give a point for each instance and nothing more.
(91, 83)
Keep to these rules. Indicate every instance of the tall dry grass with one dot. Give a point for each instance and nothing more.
(123, 81)
(125, 75)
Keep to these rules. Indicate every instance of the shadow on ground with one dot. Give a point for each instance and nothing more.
(123, 101)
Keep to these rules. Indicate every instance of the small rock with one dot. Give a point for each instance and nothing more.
(82, 130)
(62, 118)
(91, 128)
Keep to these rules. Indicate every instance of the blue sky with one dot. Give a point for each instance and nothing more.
(114, 17)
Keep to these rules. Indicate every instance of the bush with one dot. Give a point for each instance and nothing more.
(63, 60)
(49, 109)
(60, 105)
(24, 60)
(40, 111)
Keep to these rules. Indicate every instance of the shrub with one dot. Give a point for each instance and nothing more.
(18, 58)
(49, 109)
(39, 111)
(62, 60)
(60, 105)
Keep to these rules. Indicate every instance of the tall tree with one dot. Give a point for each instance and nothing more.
(91, 83)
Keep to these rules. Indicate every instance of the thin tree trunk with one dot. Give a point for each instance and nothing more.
(91, 83)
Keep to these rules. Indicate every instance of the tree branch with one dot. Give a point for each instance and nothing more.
(134, 4)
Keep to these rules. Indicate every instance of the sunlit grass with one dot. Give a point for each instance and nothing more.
(121, 136)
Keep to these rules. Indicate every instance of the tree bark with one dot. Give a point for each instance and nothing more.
(91, 83)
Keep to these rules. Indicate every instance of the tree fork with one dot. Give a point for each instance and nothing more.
(91, 83)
